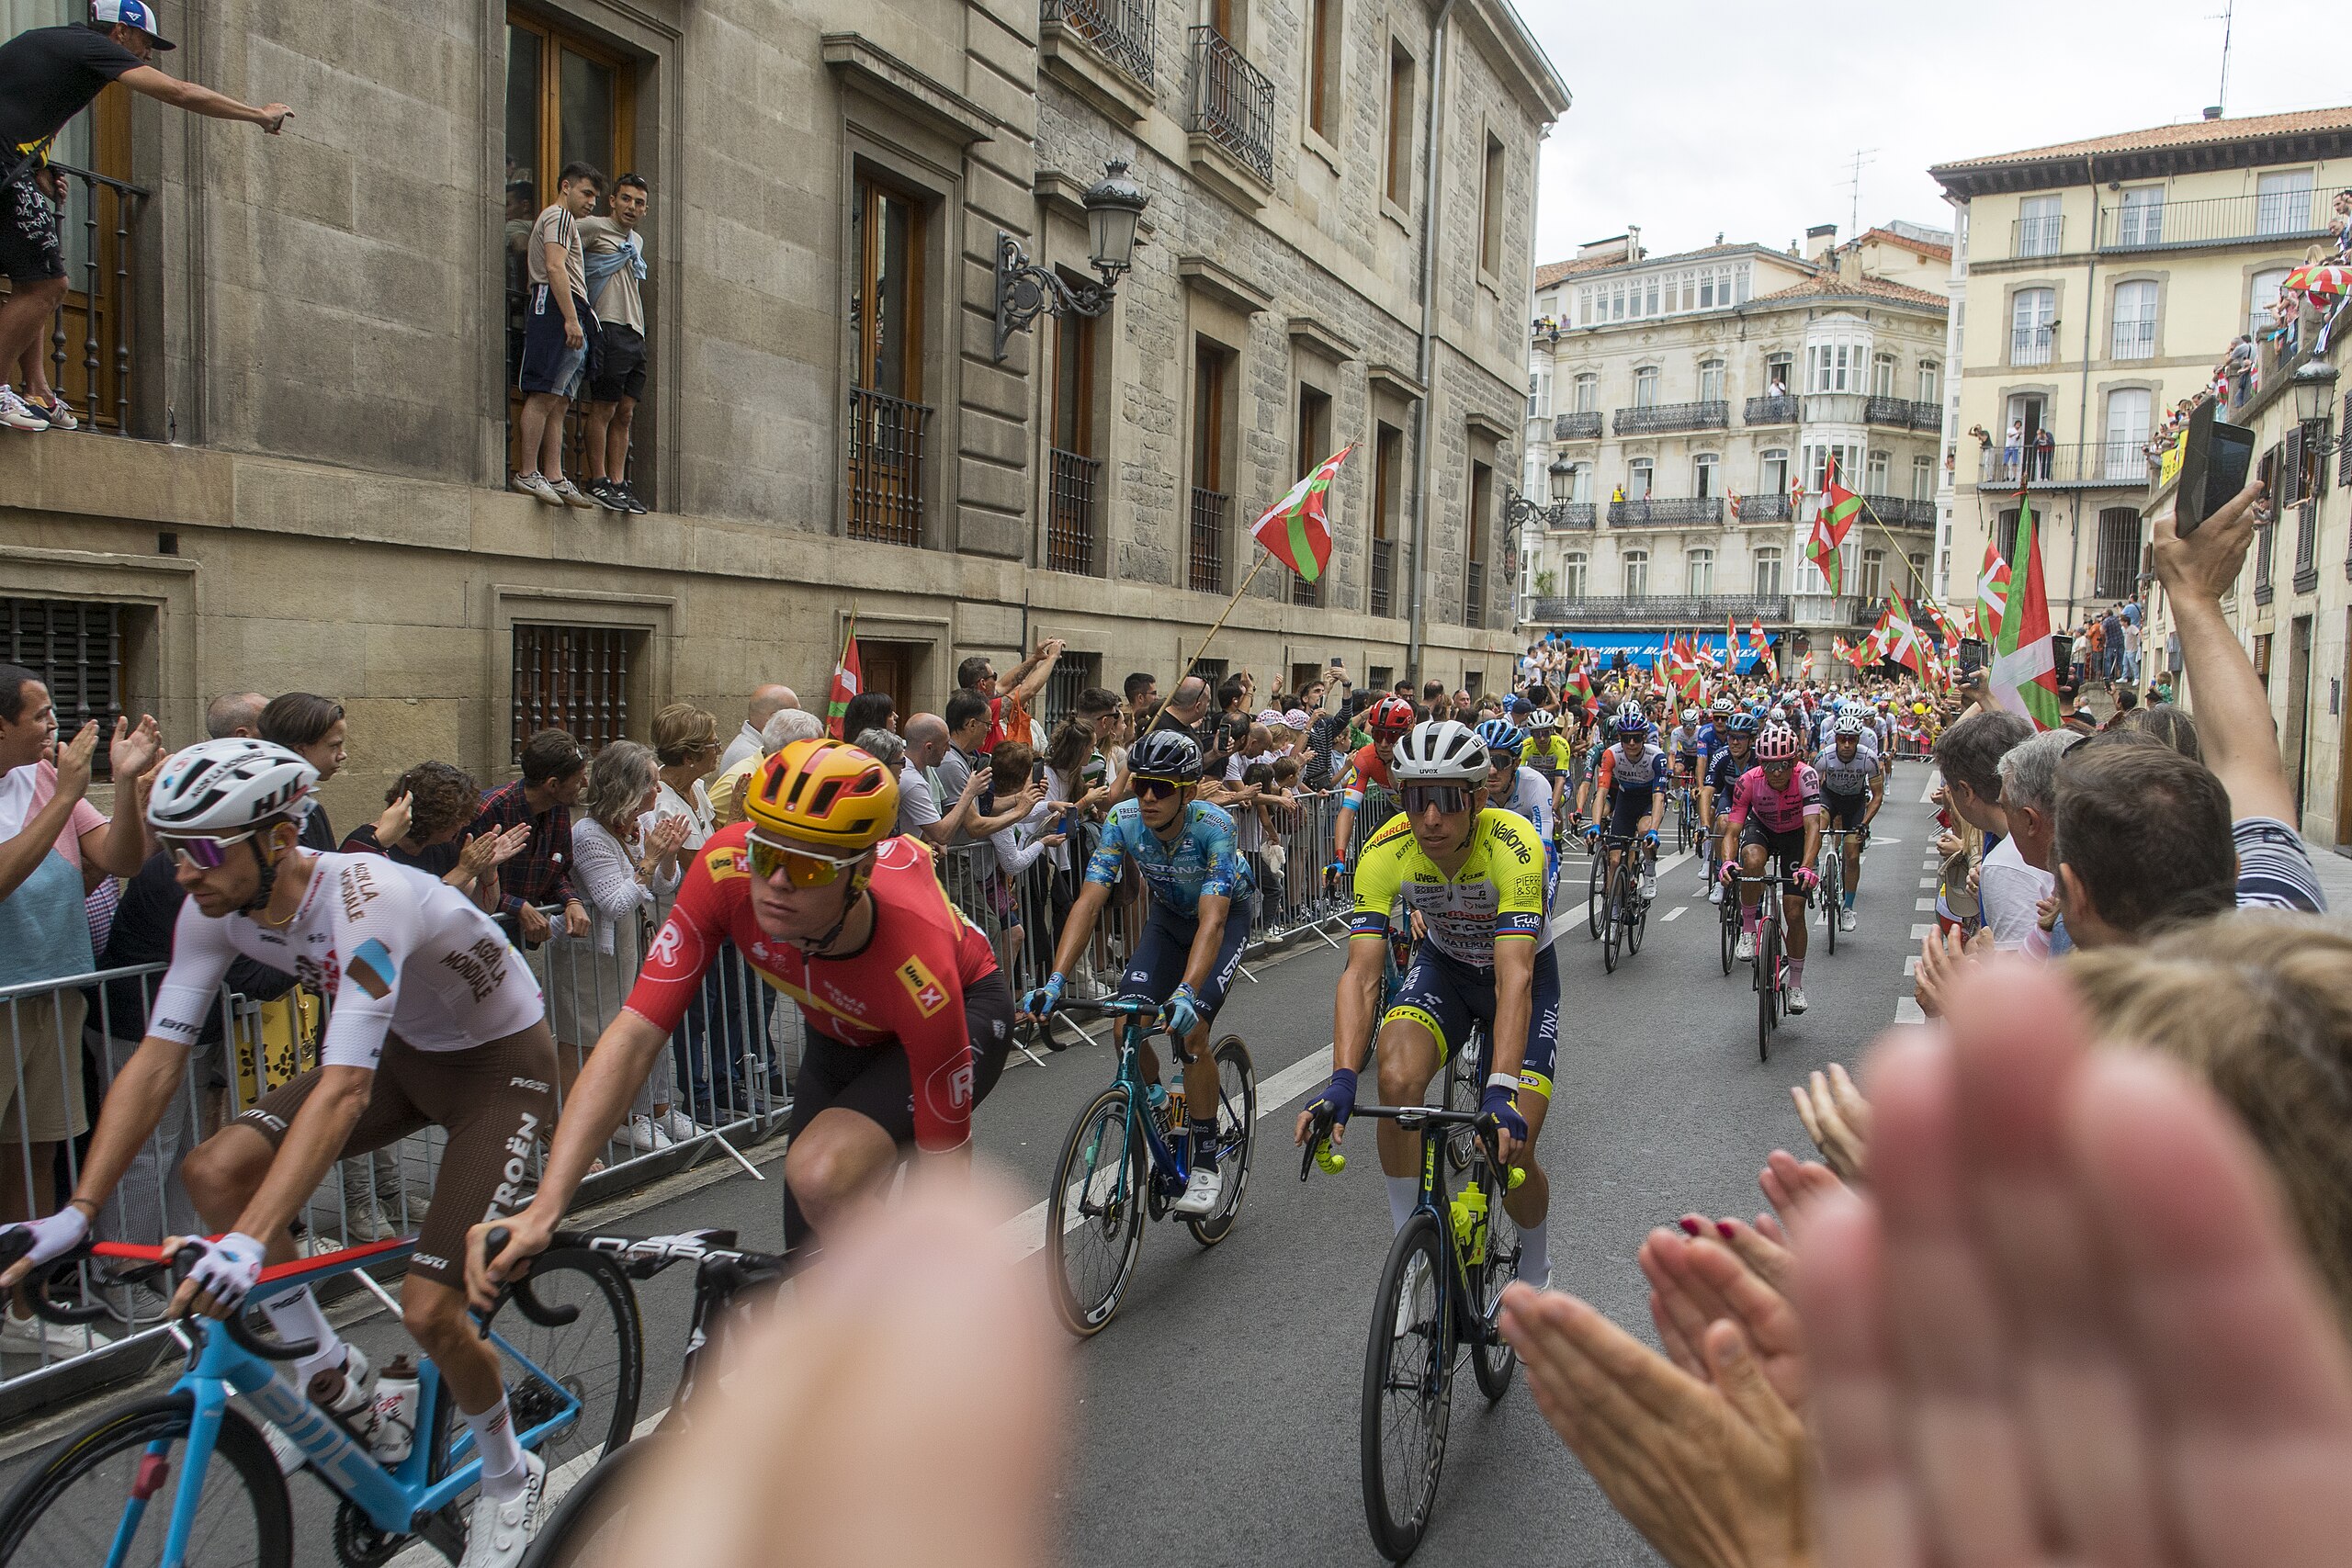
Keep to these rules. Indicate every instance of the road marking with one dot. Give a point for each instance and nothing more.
(1911, 966)
(1878, 839)
(1906, 1011)
(1673, 913)
(1923, 904)
(1927, 795)
(1918, 931)
(1929, 882)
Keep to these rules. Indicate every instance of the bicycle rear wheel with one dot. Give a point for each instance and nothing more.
(1094, 1226)
(1833, 875)
(588, 1524)
(69, 1509)
(1408, 1388)
(1613, 919)
(1492, 1361)
(1768, 980)
(1729, 923)
(1236, 1122)
(1637, 916)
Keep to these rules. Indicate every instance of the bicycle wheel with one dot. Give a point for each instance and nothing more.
(1833, 875)
(1596, 885)
(598, 1358)
(586, 1529)
(1729, 923)
(72, 1507)
(1408, 1389)
(1768, 980)
(1613, 921)
(1462, 1091)
(1492, 1361)
(1094, 1228)
(1637, 917)
(1236, 1122)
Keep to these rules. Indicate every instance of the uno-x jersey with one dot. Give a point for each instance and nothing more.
(1497, 896)
(905, 986)
(1200, 862)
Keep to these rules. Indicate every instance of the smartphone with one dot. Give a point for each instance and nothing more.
(2062, 654)
(1036, 773)
(1972, 651)
(2214, 460)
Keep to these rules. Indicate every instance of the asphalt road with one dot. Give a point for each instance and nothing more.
(1218, 1414)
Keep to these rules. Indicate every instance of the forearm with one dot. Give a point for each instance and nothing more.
(1514, 1003)
(1078, 925)
(196, 98)
(559, 269)
(1359, 994)
(134, 1106)
(606, 1088)
(320, 1131)
(1342, 831)
(124, 848)
(2232, 710)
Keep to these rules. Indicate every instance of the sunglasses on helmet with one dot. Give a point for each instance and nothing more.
(1154, 788)
(802, 868)
(1447, 797)
(203, 851)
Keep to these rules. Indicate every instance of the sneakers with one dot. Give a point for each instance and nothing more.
(646, 1136)
(1200, 1194)
(18, 414)
(1746, 947)
(1845, 919)
(1649, 887)
(679, 1126)
(38, 1336)
(606, 495)
(1716, 893)
(1797, 999)
(568, 494)
(60, 417)
(628, 498)
(535, 485)
(502, 1526)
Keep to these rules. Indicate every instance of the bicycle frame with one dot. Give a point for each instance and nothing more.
(1169, 1163)
(1453, 1285)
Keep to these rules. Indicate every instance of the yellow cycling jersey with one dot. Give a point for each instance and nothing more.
(1550, 757)
(1496, 896)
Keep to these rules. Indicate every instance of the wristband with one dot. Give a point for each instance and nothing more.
(1503, 1081)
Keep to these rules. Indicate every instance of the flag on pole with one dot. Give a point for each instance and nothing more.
(1831, 524)
(1578, 684)
(2025, 668)
(1902, 642)
(849, 679)
(1294, 530)
(1992, 589)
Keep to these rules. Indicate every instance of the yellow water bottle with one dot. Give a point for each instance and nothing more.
(1470, 1223)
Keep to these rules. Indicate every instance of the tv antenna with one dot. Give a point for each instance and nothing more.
(1862, 156)
(2222, 95)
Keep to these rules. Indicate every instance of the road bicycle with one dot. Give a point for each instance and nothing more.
(1627, 916)
(1769, 977)
(589, 1524)
(1433, 1300)
(1124, 1160)
(1687, 827)
(1833, 875)
(572, 1371)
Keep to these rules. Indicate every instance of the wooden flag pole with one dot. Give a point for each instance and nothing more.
(1215, 628)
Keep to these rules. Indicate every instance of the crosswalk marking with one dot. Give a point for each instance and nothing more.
(1923, 904)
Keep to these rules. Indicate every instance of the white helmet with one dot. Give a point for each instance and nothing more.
(226, 786)
(1542, 719)
(1440, 750)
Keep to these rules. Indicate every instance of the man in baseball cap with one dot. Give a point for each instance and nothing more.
(129, 13)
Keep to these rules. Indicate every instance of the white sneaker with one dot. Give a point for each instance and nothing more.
(568, 494)
(501, 1527)
(535, 485)
(679, 1126)
(36, 1335)
(17, 414)
(1746, 947)
(60, 417)
(1543, 1284)
(1797, 999)
(644, 1135)
(1845, 919)
(1716, 893)
(1200, 1194)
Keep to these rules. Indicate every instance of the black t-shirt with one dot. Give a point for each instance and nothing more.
(47, 76)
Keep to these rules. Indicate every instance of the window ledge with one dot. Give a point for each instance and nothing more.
(1321, 337)
(1230, 178)
(1228, 288)
(1313, 141)
(1401, 217)
(879, 74)
(1072, 59)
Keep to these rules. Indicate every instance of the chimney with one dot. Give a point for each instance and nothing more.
(1819, 241)
(1633, 242)
(1849, 264)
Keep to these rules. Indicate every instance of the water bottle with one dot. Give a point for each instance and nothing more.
(397, 1392)
(1155, 1094)
(1470, 1223)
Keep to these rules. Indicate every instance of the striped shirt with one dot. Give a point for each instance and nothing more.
(2274, 868)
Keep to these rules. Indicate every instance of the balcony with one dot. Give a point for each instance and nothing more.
(1577, 514)
(1231, 112)
(99, 313)
(1658, 418)
(2089, 465)
(1754, 509)
(1101, 50)
(1685, 610)
(1205, 559)
(2281, 216)
(1903, 413)
(1071, 531)
(2132, 340)
(1900, 512)
(2032, 346)
(885, 440)
(1682, 512)
(1576, 426)
(1120, 29)
(1474, 595)
(1837, 611)
(1383, 574)
(2038, 236)
(1782, 410)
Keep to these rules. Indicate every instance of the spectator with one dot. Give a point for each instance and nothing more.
(554, 772)
(869, 710)
(1433, 698)
(235, 714)
(2126, 700)
(784, 727)
(314, 726)
(2116, 799)
(426, 810)
(729, 1013)
(557, 354)
(765, 703)
(2045, 447)
(47, 76)
(1188, 709)
(2016, 877)
(925, 746)
(2013, 447)
(1014, 845)
(613, 253)
(1142, 694)
(685, 745)
(1008, 703)
(968, 723)
(626, 870)
(2339, 222)
(2167, 723)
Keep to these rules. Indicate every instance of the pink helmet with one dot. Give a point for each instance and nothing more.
(1778, 744)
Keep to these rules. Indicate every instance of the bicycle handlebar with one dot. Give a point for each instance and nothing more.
(15, 1244)
(1108, 1007)
(1411, 1117)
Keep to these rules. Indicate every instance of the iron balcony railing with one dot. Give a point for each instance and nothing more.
(2132, 339)
(1232, 102)
(2038, 236)
(1773, 507)
(1903, 413)
(1205, 564)
(1576, 426)
(886, 439)
(2217, 221)
(95, 227)
(1902, 512)
(1573, 514)
(1474, 595)
(1782, 410)
(1682, 511)
(1120, 29)
(1071, 528)
(1656, 417)
(2032, 346)
(1383, 574)
(2079, 466)
(1663, 610)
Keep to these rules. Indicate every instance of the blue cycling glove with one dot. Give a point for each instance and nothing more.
(1499, 1111)
(1041, 1002)
(1649, 837)
(1182, 1012)
(1337, 1098)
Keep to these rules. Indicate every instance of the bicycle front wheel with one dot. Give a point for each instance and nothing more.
(1614, 919)
(596, 1358)
(1596, 887)
(1236, 1122)
(1462, 1091)
(586, 1529)
(1095, 1224)
(1407, 1386)
(76, 1504)
(1492, 1360)
(1833, 875)
(1768, 982)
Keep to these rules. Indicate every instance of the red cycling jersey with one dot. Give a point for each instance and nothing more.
(905, 986)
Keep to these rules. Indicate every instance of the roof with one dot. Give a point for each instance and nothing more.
(1551, 273)
(1889, 237)
(2200, 142)
(1829, 286)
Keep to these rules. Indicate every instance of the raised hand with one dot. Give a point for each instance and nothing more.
(1838, 1119)
(134, 748)
(1696, 1280)
(1791, 1184)
(74, 761)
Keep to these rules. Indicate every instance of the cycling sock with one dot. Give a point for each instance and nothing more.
(1796, 972)
(1404, 1197)
(1850, 897)
(1204, 1145)
(295, 1315)
(502, 1457)
(1535, 1250)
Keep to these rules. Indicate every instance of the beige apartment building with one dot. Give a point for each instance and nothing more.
(1675, 400)
(2104, 280)
(298, 352)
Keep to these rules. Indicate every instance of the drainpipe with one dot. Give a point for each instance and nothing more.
(1425, 364)
(2083, 403)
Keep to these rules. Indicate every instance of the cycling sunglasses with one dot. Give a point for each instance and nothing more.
(802, 868)
(202, 851)
(1448, 798)
(1157, 788)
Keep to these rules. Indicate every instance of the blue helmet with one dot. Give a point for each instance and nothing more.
(1630, 719)
(1742, 723)
(1503, 738)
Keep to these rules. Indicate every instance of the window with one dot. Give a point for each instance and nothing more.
(1637, 479)
(1923, 477)
(1491, 209)
(1870, 580)
(2140, 221)
(1074, 477)
(2127, 433)
(1702, 569)
(1772, 472)
(1476, 531)
(1767, 574)
(2037, 226)
(76, 649)
(2118, 574)
(1780, 371)
(1882, 376)
(1310, 446)
(1211, 502)
(1539, 395)
(1874, 474)
(1710, 380)
(570, 678)
(2282, 202)
(1917, 562)
(1588, 387)
(2031, 313)
(1579, 483)
(2261, 295)
(1645, 386)
(1387, 486)
(1833, 367)
(1817, 459)
(1398, 178)
(1637, 574)
(1572, 574)
(1702, 475)
(1321, 40)
(888, 418)
(1931, 381)
(2134, 333)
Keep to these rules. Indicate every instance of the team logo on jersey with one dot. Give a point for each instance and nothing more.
(950, 1086)
(923, 986)
(675, 952)
(725, 863)
(371, 969)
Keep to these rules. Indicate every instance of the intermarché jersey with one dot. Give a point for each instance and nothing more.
(906, 985)
(1846, 778)
(1199, 861)
(1549, 756)
(1782, 810)
(390, 948)
(1497, 896)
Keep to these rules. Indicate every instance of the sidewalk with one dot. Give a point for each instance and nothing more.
(2335, 876)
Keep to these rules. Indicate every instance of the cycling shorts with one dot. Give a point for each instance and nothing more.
(1625, 815)
(1447, 998)
(495, 1101)
(1844, 810)
(1157, 966)
(1786, 849)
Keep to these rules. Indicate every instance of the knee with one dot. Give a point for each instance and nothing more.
(1402, 1079)
(433, 1319)
(227, 1166)
(821, 1177)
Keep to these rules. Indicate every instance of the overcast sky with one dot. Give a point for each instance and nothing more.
(1697, 116)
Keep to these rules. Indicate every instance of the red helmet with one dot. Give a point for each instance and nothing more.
(1778, 744)
(1391, 716)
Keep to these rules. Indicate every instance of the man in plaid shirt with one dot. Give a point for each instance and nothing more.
(554, 772)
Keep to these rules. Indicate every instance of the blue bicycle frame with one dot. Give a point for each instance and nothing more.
(392, 1499)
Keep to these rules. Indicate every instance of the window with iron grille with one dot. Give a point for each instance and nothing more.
(76, 649)
(574, 679)
(2117, 576)
(1073, 672)
(2344, 453)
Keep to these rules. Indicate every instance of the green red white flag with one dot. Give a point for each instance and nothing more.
(1831, 524)
(2025, 667)
(1578, 684)
(1295, 529)
(849, 679)
(1992, 589)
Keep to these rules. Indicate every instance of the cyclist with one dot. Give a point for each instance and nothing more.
(1550, 755)
(1630, 781)
(1475, 876)
(1853, 787)
(1684, 749)
(431, 1019)
(1387, 721)
(908, 1016)
(1192, 937)
(1724, 770)
(1516, 788)
(1776, 811)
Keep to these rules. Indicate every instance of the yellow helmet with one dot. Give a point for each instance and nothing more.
(827, 794)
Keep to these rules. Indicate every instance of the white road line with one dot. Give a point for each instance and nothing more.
(1927, 929)
(1906, 1011)
(1927, 795)
(1876, 840)
(1923, 904)
(1911, 966)
(1929, 882)
(1673, 913)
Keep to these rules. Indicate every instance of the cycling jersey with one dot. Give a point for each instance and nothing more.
(1635, 778)
(1724, 770)
(1366, 770)
(1529, 796)
(905, 987)
(1497, 895)
(1710, 741)
(1550, 757)
(1200, 862)
(1779, 811)
(1846, 778)
(1683, 743)
(391, 949)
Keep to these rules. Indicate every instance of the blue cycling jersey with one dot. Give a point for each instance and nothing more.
(1709, 743)
(1199, 861)
(1722, 772)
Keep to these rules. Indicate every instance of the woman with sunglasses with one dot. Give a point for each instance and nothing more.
(1198, 889)
(909, 1018)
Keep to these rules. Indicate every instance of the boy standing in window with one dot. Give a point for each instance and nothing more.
(557, 347)
(615, 258)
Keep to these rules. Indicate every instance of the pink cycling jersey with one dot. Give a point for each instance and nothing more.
(1779, 810)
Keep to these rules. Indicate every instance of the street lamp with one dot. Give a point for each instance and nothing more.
(2314, 390)
(1024, 290)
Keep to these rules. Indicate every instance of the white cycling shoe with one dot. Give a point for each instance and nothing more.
(1845, 919)
(1797, 999)
(1200, 1194)
(501, 1527)
(1714, 893)
(1746, 947)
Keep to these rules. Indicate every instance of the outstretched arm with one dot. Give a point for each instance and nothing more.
(189, 96)
(2232, 710)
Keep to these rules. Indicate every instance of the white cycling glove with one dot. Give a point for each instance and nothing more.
(54, 1236)
(228, 1269)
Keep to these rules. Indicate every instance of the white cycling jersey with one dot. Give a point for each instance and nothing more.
(1530, 796)
(390, 948)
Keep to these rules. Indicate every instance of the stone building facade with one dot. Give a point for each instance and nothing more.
(299, 349)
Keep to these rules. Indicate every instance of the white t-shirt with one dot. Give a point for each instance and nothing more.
(2009, 890)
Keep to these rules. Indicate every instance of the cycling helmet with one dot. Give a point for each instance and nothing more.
(1389, 716)
(1849, 725)
(1777, 714)
(1690, 716)
(1722, 705)
(1503, 738)
(1543, 720)
(229, 787)
(1630, 719)
(825, 793)
(1742, 723)
(1443, 750)
(1778, 744)
(1166, 755)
